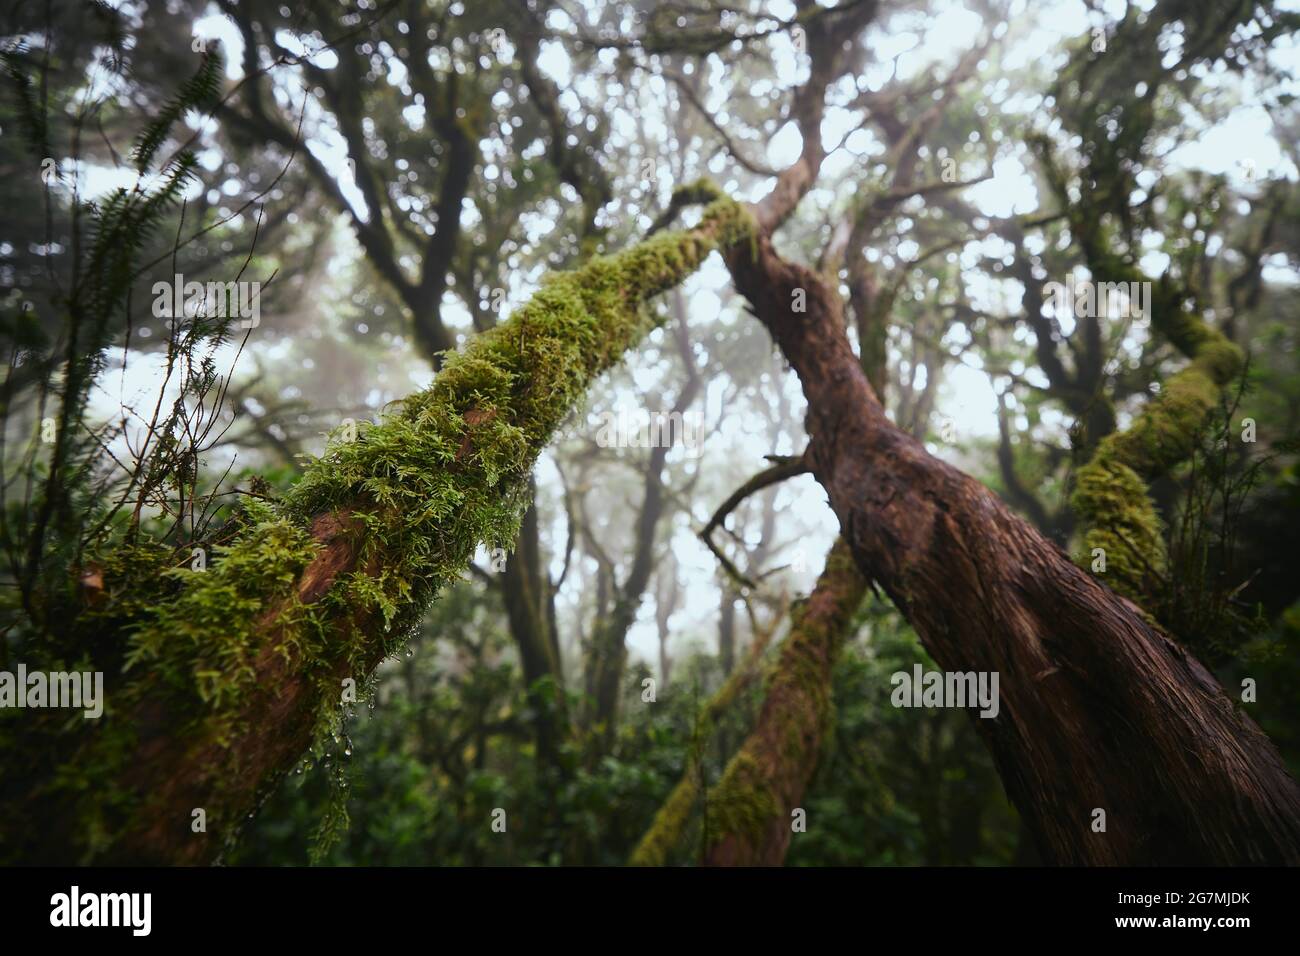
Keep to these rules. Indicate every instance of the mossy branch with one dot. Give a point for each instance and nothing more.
(1111, 497)
(749, 818)
(323, 586)
(665, 833)
(749, 809)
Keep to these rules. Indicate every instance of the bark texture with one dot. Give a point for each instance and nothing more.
(1099, 708)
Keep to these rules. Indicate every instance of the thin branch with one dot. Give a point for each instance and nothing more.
(784, 467)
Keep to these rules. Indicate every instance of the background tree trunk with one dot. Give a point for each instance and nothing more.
(750, 808)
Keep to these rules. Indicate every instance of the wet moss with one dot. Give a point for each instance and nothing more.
(442, 473)
(1111, 497)
(743, 804)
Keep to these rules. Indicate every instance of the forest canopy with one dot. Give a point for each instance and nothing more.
(611, 432)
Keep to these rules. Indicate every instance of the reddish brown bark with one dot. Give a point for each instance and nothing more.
(285, 705)
(1099, 710)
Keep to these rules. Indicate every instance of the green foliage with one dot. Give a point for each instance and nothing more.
(895, 785)
(1200, 599)
(199, 91)
(446, 743)
(71, 500)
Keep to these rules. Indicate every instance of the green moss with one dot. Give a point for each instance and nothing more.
(743, 805)
(177, 643)
(421, 490)
(798, 705)
(1121, 519)
(665, 833)
(1110, 496)
(1166, 431)
(1220, 359)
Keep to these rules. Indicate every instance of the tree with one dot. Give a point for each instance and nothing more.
(473, 168)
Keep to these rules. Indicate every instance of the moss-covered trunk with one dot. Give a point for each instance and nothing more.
(749, 811)
(751, 808)
(230, 680)
(665, 833)
(1121, 525)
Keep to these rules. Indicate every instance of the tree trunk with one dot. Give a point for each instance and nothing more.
(665, 604)
(664, 835)
(1099, 710)
(609, 645)
(749, 811)
(235, 676)
(608, 661)
(526, 594)
(727, 628)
